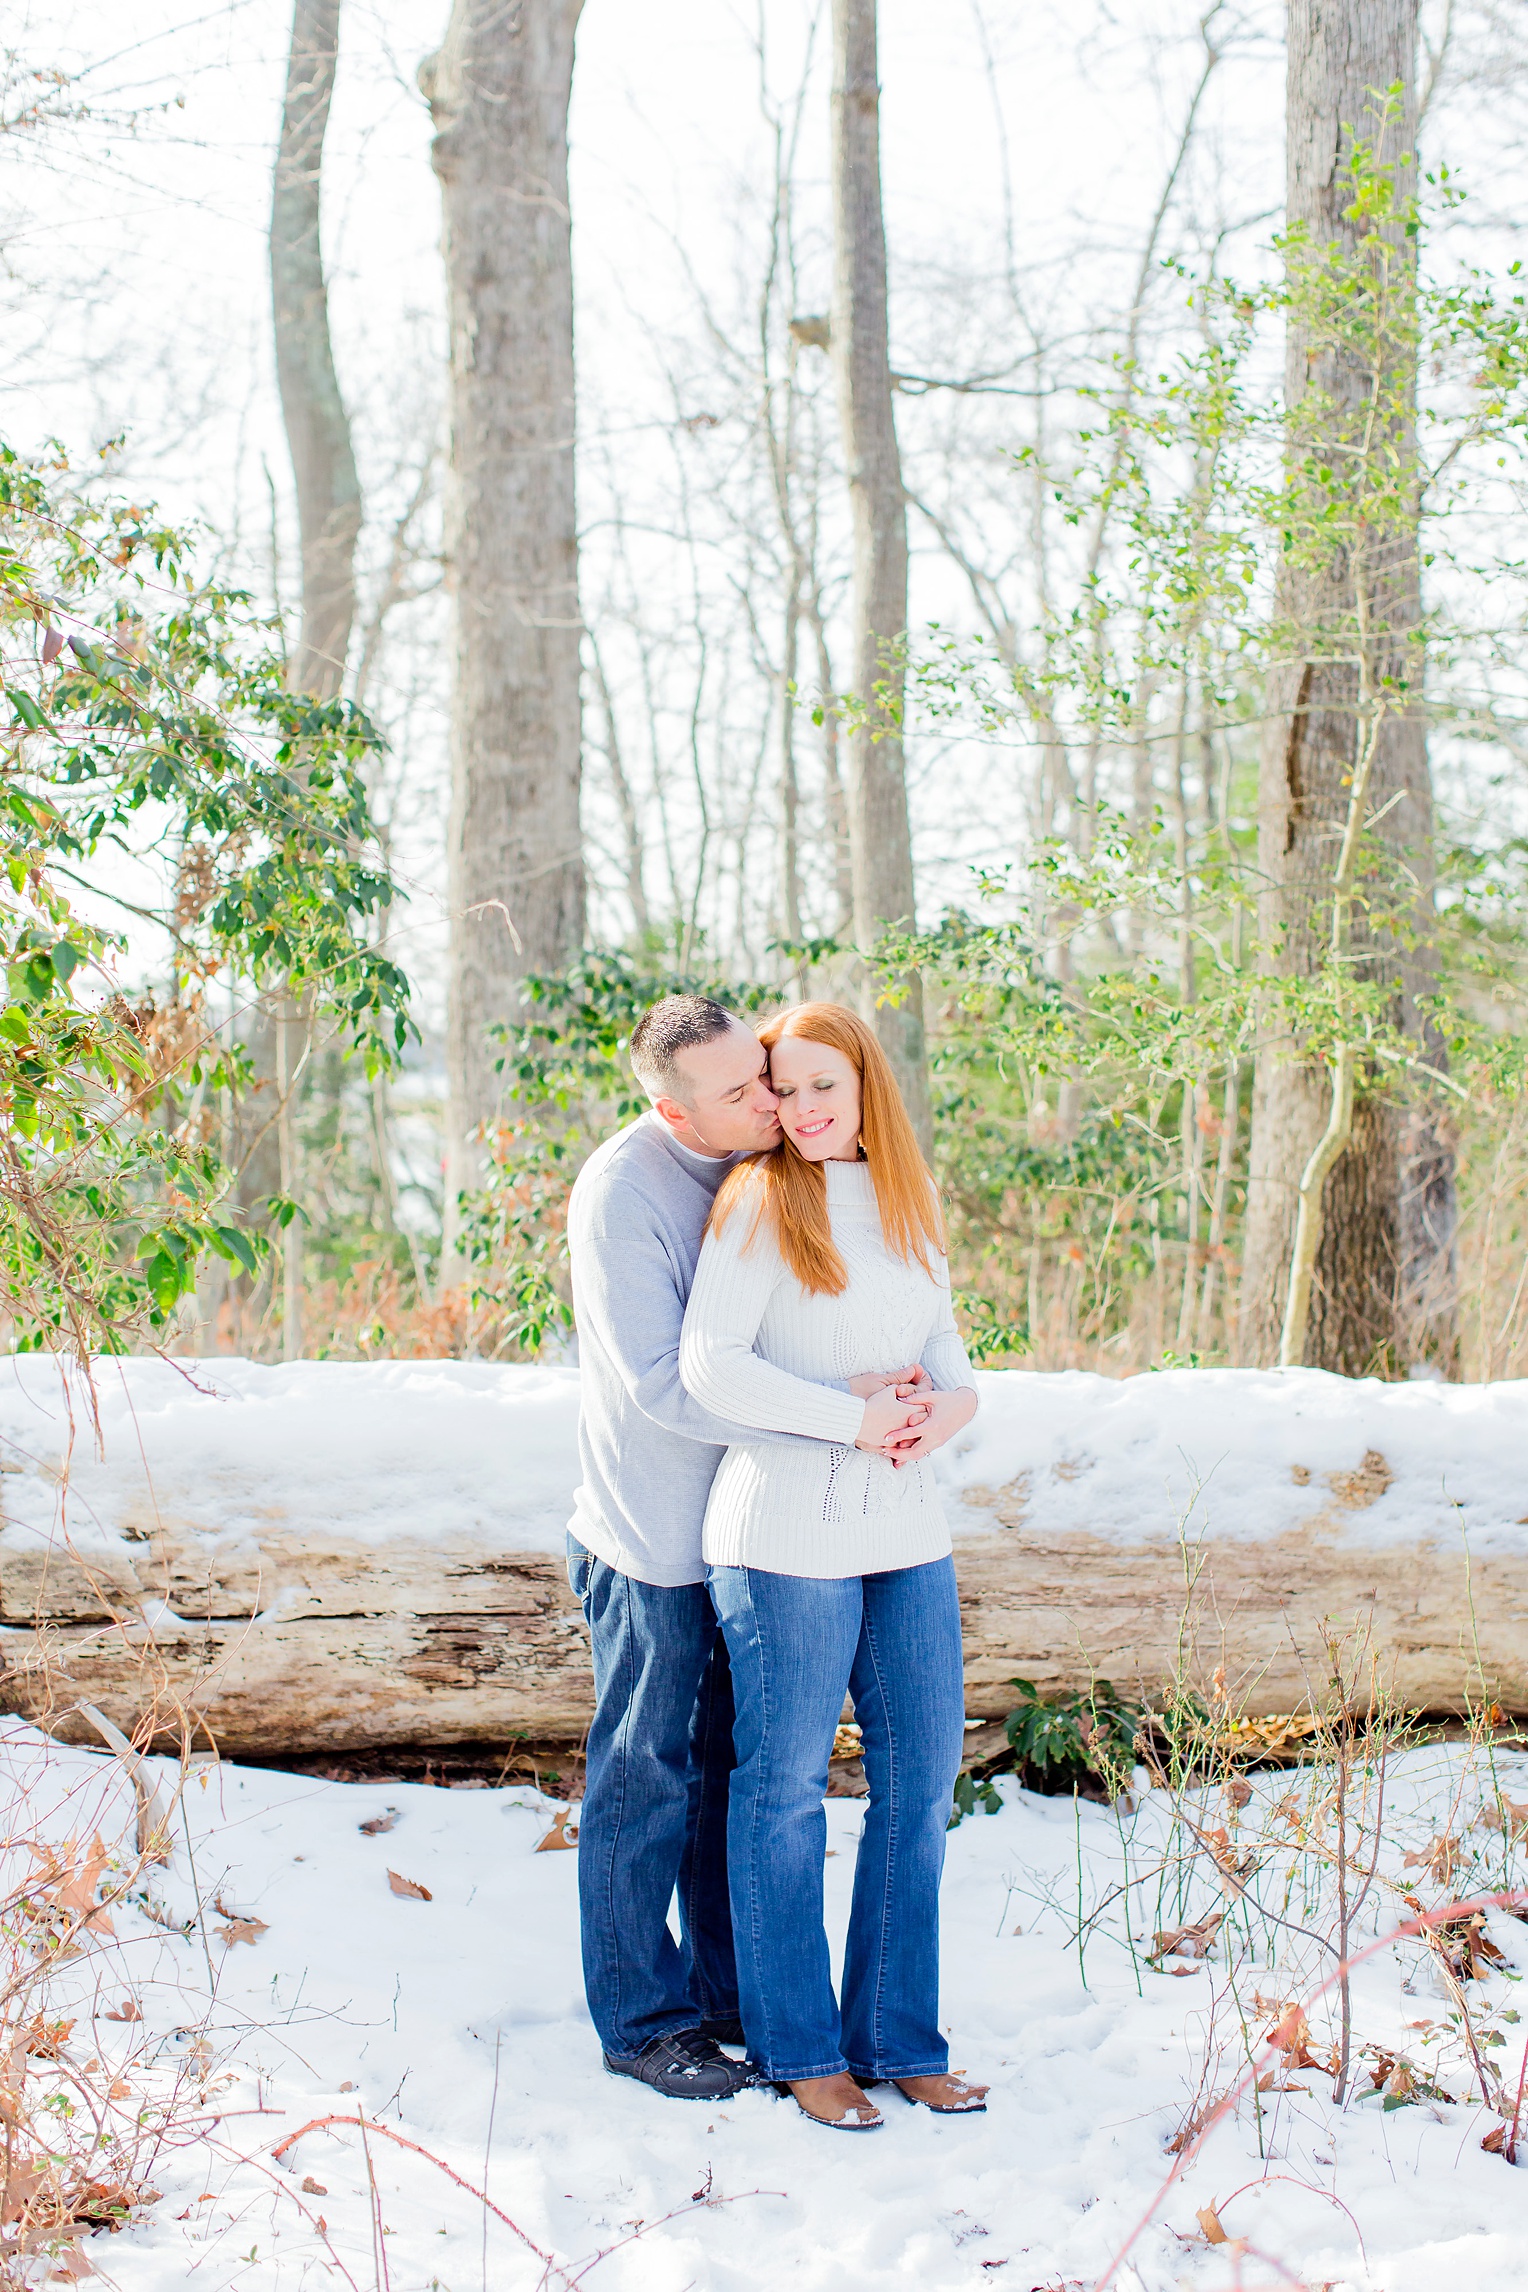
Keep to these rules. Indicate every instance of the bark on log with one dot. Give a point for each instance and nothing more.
(348, 1647)
(336, 1560)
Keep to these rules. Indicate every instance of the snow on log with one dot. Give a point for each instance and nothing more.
(335, 1557)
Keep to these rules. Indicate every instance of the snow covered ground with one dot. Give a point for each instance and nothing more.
(459, 2024)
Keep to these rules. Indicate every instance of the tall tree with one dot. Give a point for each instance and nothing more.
(498, 91)
(318, 432)
(329, 525)
(880, 844)
(1345, 741)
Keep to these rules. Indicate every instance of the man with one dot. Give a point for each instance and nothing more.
(654, 1814)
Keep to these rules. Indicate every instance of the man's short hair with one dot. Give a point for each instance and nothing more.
(678, 1023)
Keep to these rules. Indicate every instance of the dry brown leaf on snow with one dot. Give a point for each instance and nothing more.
(128, 2010)
(72, 2266)
(1235, 1869)
(559, 1834)
(1209, 2220)
(1464, 1946)
(46, 2039)
(409, 1888)
(1291, 2034)
(311, 2187)
(1238, 1793)
(21, 2184)
(70, 1885)
(1441, 1858)
(1495, 2142)
(378, 1824)
(1514, 1821)
(1188, 1941)
(239, 1928)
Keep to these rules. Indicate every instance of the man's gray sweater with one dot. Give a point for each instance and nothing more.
(648, 1452)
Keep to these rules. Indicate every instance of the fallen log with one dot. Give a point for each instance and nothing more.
(335, 1558)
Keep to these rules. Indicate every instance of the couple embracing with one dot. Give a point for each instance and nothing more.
(768, 1359)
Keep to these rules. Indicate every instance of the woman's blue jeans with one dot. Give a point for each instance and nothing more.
(796, 1644)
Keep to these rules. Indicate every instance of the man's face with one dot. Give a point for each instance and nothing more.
(731, 1108)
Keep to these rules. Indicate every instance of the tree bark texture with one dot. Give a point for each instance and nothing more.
(352, 1556)
(498, 92)
(1383, 1293)
(318, 432)
(880, 843)
(318, 1642)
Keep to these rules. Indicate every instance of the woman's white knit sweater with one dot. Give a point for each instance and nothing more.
(761, 1350)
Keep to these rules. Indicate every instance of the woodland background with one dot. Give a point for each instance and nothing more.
(389, 623)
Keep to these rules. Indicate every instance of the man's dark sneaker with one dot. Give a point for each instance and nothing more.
(685, 2066)
(723, 2029)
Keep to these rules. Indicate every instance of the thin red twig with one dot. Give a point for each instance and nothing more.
(1424, 1920)
(371, 2125)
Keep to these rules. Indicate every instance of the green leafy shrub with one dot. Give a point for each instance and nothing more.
(972, 1792)
(1089, 1734)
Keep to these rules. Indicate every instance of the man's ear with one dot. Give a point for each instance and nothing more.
(670, 1111)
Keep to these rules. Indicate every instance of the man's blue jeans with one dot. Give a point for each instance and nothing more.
(655, 1808)
(796, 1643)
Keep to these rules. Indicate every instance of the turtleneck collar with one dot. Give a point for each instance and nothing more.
(849, 1182)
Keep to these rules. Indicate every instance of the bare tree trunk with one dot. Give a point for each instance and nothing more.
(836, 800)
(880, 844)
(1381, 1295)
(498, 92)
(318, 433)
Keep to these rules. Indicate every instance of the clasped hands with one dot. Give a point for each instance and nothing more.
(905, 1418)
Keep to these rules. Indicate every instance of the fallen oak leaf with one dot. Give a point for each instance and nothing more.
(71, 1888)
(1193, 1941)
(1441, 1857)
(1209, 2220)
(379, 1823)
(1515, 1822)
(558, 1834)
(243, 1930)
(408, 1888)
(45, 2040)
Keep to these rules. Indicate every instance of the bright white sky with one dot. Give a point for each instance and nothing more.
(137, 295)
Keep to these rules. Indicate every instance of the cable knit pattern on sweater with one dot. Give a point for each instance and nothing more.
(758, 1348)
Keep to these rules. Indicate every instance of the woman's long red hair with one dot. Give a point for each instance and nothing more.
(790, 1194)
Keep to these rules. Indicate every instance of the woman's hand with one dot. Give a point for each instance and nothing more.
(911, 1384)
(943, 1416)
(886, 1417)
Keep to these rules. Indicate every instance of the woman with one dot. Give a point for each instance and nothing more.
(830, 1567)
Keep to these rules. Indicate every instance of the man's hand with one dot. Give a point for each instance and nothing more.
(886, 1417)
(914, 1383)
(943, 1416)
